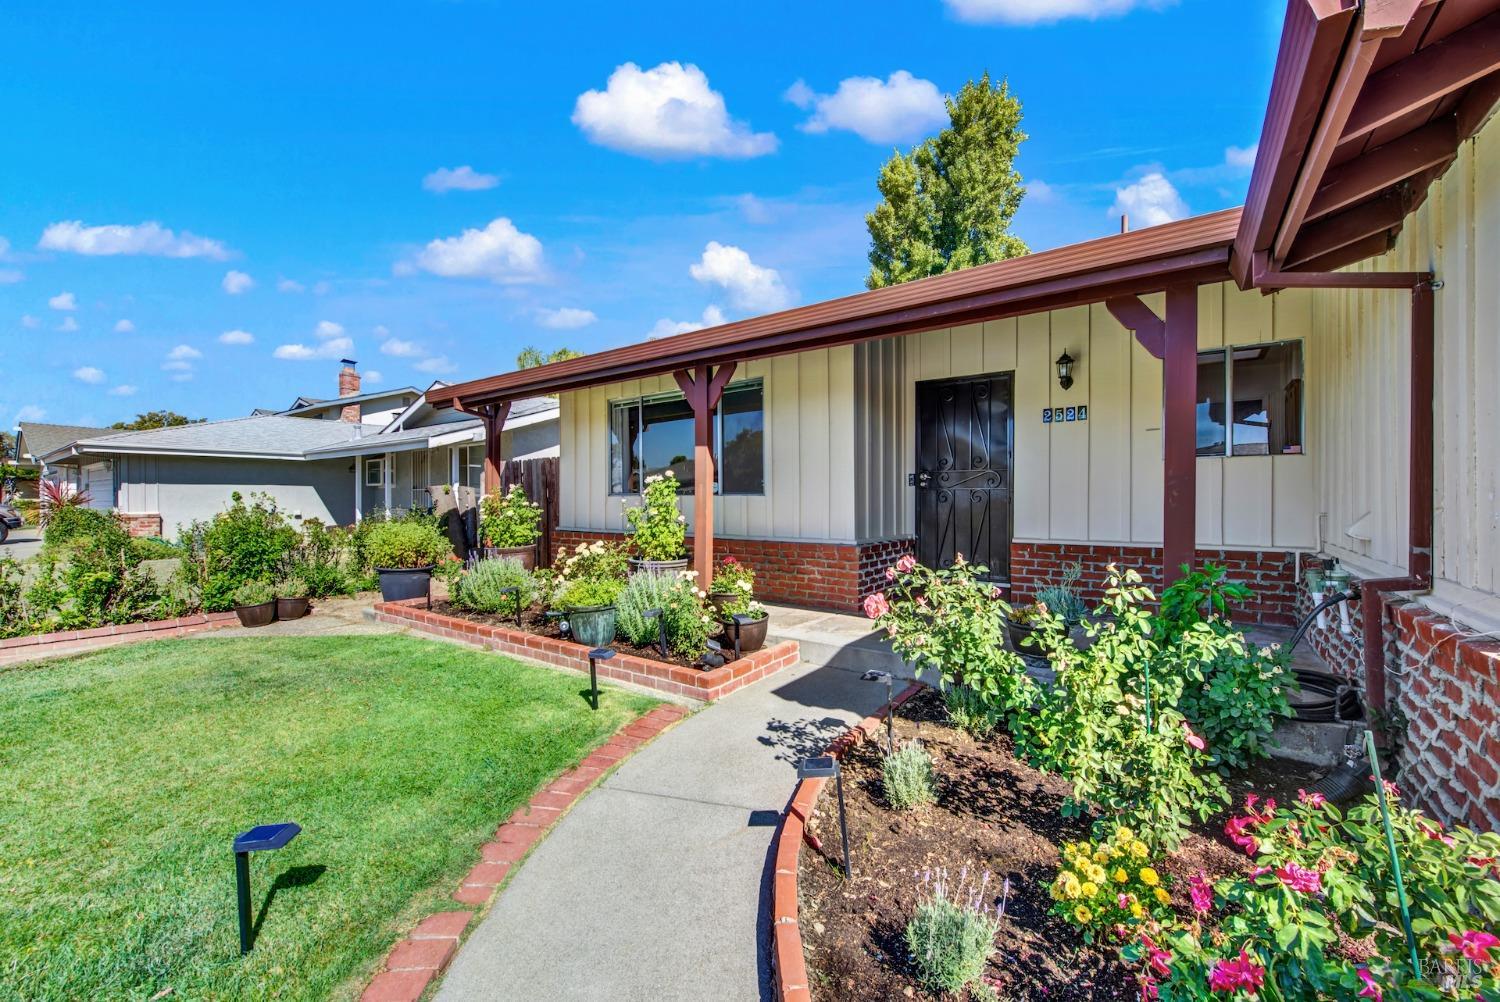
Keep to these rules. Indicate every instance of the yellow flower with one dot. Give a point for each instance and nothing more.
(1138, 849)
(1162, 896)
(1083, 915)
(1123, 834)
(1136, 911)
(1148, 876)
(1102, 856)
(1120, 875)
(1070, 885)
(1096, 873)
(1089, 889)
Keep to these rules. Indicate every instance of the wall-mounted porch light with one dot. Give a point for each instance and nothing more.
(1065, 370)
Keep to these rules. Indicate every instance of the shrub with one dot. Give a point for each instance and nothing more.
(405, 544)
(154, 548)
(509, 519)
(907, 777)
(589, 593)
(682, 610)
(970, 712)
(244, 542)
(89, 574)
(658, 529)
(1318, 917)
(597, 560)
(371, 525)
(15, 613)
(53, 497)
(72, 524)
(1110, 884)
(255, 592)
(292, 587)
(480, 589)
(1110, 724)
(952, 934)
(325, 560)
(952, 621)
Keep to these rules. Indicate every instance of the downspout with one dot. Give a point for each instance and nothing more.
(1422, 391)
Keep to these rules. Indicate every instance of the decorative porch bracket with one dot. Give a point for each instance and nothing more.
(1174, 341)
(493, 417)
(704, 388)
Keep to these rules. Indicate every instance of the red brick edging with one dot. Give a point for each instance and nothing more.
(704, 686)
(787, 959)
(416, 961)
(41, 645)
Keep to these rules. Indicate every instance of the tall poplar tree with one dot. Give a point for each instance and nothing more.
(948, 204)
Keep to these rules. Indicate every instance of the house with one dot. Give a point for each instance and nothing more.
(35, 440)
(1308, 375)
(335, 460)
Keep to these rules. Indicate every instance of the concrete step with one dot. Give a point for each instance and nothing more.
(833, 639)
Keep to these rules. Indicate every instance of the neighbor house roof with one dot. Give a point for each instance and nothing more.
(1190, 250)
(271, 437)
(307, 405)
(38, 439)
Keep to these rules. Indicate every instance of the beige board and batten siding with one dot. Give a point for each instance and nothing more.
(1098, 480)
(808, 448)
(1360, 431)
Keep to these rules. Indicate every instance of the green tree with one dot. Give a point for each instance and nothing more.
(948, 204)
(531, 357)
(156, 419)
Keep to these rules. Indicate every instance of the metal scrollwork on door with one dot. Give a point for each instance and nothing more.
(964, 434)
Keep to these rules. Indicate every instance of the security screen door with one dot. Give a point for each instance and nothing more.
(965, 431)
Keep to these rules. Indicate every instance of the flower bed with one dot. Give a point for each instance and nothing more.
(675, 679)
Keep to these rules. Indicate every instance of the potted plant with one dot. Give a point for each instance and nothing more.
(403, 554)
(658, 530)
(733, 598)
(589, 604)
(1021, 622)
(291, 598)
(732, 580)
(255, 603)
(510, 524)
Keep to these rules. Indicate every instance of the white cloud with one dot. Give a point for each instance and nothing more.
(901, 107)
(236, 337)
(124, 327)
(664, 112)
(236, 282)
(712, 317)
(10, 276)
(463, 178)
(499, 252)
(30, 412)
(63, 301)
(333, 348)
(177, 365)
(1040, 191)
(321, 288)
(88, 374)
(566, 318)
(750, 286)
(146, 238)
(437, 365)
(1043, 11)
(372, 376)
(181, 377)
(68, 325)
(327, 329)
(402, 349)
(289, 285)
(1149, 201)
(1242, 157)
(184, 352)
(30, 322)
(123, 390)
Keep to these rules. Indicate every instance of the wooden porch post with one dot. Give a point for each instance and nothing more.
(492, 417)
(704, 388)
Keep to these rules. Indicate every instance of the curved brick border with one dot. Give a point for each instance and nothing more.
(788, 961)
(44, 645)
(675, 680)
(416, 961)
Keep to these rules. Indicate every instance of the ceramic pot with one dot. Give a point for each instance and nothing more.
(525, 554)
(752, 635)
(593, 626)
(292, 608)
(263, 614)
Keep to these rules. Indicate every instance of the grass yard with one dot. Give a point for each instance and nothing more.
(125, 775)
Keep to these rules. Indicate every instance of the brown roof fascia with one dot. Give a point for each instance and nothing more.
(1190, 250)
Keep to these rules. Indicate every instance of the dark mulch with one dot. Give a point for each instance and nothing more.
(535, 621)
(993, 813)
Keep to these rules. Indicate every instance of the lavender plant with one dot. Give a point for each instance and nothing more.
(952, 935)
(907, 776)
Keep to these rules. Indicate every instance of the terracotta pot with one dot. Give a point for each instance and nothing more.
(525, 554)
(752, 635)
(292, 608)
(659, 566)
(263, 614)
(593, 626)
(397, 584)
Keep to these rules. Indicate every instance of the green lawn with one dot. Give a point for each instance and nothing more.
(125, 775)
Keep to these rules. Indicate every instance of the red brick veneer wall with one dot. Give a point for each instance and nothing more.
(1271, 574)
(148, 524)
(820, 575)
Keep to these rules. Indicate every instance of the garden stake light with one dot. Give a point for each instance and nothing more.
(822, 768)
(661, 630)
(595, 656)
(876, 675)
(261, 838)
(1390, 847)
(740, 619)
(516, 591)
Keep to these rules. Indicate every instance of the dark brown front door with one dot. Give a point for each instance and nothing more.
(963, 481)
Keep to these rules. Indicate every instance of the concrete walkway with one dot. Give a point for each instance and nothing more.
(655, 886)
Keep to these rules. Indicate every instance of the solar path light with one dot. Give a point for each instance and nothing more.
(515, 592)
(823, 767)
(876, 675)
(261, 838)
(661, 630)
(595, 656)
(739, 620)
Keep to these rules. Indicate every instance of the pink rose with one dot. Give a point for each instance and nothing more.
(1371, 989)
(1233, 975)
(876, 605)
(1238, 830)
(1193, 740)
(1311, 799)
(1156, 958)
(1474, 945)
(1299, 878)
(890, 573)
(906, 564)
(1202, 892)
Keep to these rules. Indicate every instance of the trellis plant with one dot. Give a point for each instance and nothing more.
(658, 529)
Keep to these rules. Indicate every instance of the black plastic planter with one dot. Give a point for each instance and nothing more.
(398, 584)
(291, 608)
(263, 614)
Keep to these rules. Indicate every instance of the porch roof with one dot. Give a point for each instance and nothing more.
(1187, 251)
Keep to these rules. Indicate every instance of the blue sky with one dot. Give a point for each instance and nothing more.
(203, 209)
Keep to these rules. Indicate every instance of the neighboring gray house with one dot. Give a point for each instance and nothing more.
(333, 460)
(35, 440)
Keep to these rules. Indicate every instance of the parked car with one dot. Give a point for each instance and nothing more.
(9, 519)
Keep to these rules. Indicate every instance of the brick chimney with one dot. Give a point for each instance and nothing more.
(349, 387)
